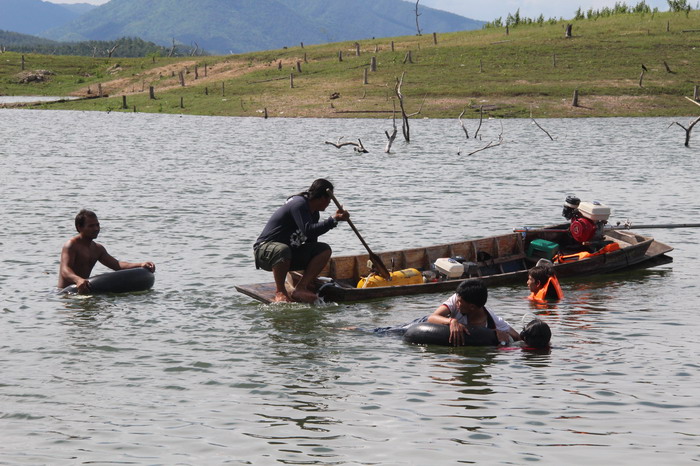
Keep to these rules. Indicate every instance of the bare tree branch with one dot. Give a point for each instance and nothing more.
(419, 108)
(391, 137)
(404, 117)
(417, 15)
(687, 130)
(111, 51)
(464, 128)
(358, 147)
(538, 125)
(491, 143)
(481, 118)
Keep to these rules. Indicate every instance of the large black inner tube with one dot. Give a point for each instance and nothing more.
(426, 333)
(121, 281)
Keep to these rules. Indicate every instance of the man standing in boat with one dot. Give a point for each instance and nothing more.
(289, 241)
(80, 254)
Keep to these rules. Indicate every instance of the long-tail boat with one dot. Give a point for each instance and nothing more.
(497, 260)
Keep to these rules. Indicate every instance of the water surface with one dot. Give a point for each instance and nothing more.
(192, 372)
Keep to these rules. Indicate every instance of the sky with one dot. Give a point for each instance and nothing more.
(490, 10)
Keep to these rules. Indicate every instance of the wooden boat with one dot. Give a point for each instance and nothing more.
(497, 260)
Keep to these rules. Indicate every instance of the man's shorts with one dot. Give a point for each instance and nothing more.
(270, 254)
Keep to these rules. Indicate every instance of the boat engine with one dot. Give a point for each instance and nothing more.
(587, 219)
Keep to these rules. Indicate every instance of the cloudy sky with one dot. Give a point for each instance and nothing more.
(488, 11)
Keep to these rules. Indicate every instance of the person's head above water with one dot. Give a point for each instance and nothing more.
(473, 292)
(319, 188)
(536, 334)
(83, 215)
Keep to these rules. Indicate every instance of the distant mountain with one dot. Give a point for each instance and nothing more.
(123, 47)
(79, 8)
(35, 16)
(236, 26)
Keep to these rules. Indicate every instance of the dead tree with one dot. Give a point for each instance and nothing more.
(111, 51)
(481, 119)
(687, 130)
(490, 144)
(538, 125)
(464, 128)
(690, 127)
(567, 34)
(195, 50)
(172, 49)
(391, 137)
(417, 15)
(574, 101)
(405, 127)
(357, 146)
(668, 69)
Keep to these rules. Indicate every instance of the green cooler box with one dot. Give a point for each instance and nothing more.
(541, 248)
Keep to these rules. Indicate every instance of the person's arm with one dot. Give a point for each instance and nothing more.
(503, 329)
(504, 334)
(108, 261)
(304, 220)
(442, 315)
(67, 274)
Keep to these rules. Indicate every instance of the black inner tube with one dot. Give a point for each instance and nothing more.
(121, 281)
(426, 333)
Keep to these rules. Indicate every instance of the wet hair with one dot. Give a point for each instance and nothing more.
(536, 334)
(319, 188)
(80, 218)
(473, 292)
(540, 274)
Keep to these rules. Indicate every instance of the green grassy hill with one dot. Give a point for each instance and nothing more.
(533, 69)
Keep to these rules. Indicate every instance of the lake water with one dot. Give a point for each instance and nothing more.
(194, 373)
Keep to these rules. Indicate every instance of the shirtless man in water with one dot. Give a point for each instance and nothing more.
(80, 254)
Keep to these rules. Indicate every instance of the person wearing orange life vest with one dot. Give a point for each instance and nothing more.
(543, 284)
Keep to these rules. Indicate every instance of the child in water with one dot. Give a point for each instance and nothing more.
(467, 308)
(536, 334)
(543, 283)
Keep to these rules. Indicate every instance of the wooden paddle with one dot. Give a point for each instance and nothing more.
(376, 260)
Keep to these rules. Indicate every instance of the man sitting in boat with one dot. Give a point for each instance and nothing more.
(289, 241)
(467, 308)
(543, 283)
(80, 254)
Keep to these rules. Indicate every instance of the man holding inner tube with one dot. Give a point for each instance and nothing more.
(80, 254)
(289, 241)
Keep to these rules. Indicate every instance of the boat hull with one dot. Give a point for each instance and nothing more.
(498, 260)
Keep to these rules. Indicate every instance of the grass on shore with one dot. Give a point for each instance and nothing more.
(532, 69)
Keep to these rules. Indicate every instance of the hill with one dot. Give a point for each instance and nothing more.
(34, 16)
(124, 47)
(222, 26)
(526, 70)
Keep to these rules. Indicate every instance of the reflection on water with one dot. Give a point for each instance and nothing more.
(192, 372)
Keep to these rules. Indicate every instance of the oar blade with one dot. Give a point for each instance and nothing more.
(379, 266)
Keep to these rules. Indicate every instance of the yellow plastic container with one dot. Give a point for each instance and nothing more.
(400, 277)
